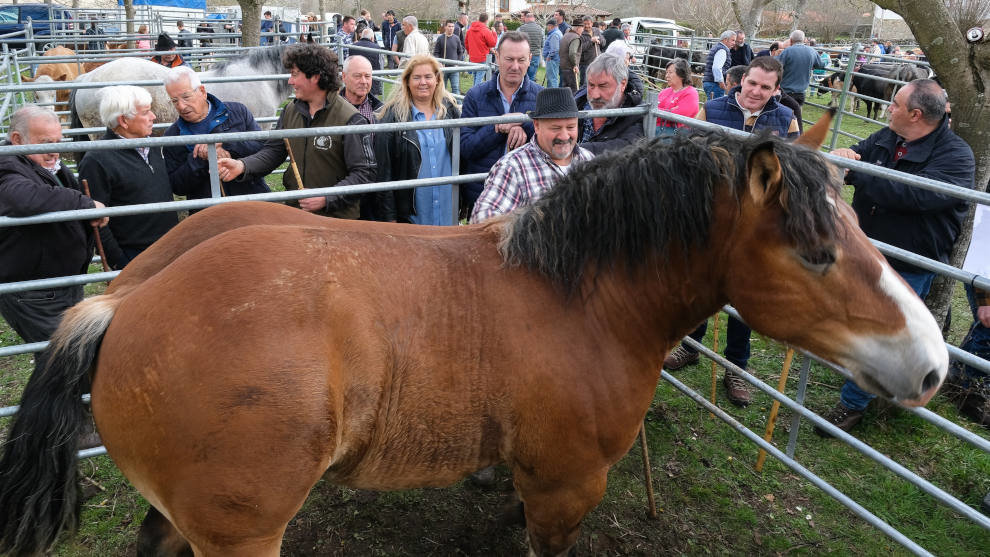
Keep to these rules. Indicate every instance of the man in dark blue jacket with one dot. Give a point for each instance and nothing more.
(750, 107)
(917, 141)
(510, 93)
(202, 113)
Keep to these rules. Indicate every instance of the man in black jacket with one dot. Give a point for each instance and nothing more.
(917, 141)
(367, 40)
(30, 185)
(449, 47)
(608, 87)
(129, 176)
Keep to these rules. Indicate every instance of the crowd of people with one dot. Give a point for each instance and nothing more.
(586, 68)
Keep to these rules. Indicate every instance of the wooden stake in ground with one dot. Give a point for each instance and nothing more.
(647, 472)
(772, 420)
(96, 231)
(292, 163)
(714, 364)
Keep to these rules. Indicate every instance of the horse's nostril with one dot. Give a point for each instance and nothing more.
(931, 380)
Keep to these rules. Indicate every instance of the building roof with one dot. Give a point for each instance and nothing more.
(543, 10)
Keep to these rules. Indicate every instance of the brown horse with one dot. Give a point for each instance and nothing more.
(234, 365)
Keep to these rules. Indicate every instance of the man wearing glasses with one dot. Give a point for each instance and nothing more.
(202, 113)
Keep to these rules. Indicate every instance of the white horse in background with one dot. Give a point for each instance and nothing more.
(262, 98)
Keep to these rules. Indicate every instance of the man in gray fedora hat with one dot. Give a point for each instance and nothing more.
(523, 174)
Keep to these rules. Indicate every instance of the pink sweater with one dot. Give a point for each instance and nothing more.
(683, 102)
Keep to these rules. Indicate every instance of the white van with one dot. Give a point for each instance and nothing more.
(644, 30)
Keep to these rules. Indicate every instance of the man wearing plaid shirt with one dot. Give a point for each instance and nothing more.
(523, 174)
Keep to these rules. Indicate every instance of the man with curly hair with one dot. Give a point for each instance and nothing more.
(323, 160)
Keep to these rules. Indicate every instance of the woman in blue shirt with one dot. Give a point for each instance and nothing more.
(425, 153)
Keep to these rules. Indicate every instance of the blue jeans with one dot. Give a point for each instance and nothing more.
(534, 66)
(736, 341)
(453, 82)
(977, 342)
(479, 76)
(851, 396)
(553, 73)
(712, 90)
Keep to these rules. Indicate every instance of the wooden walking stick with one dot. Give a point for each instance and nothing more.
(714, 364)
(647, 472)
(292, 163)
(96, 232)
(772, 420)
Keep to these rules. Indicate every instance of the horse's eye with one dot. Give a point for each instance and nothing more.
(819, 259)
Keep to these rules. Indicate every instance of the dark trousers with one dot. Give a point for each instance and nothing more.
(568, 79)
(798, 98)
(584, 75)
(35, 314)
(736, 341)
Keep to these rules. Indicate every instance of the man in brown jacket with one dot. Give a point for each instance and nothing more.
(570, 56)
(323, 160)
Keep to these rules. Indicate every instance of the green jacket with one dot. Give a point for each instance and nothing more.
(323, 160)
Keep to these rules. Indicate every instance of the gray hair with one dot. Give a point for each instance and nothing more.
(22, 118)
(122, 100)
(366, 33)
(348, 61)
(625, 26)
(411, 20)
(927, 96)
(179, 74)
(610, 63)
(619, 47)
(730, 34)
(797, 36)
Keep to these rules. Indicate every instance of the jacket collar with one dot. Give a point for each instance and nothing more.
(919, 150)
(771, 105)
(218, 111)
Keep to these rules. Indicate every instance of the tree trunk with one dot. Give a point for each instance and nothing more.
(749, 21)
(797, 14)
(964, 70)
(129, 14)
(250, 22)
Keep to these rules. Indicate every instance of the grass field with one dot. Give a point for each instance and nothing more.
(711, 499)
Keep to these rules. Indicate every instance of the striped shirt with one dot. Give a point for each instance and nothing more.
(519, 178)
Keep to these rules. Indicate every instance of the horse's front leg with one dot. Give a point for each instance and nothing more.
(554, 508)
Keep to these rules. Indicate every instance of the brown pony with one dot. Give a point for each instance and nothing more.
(234, 365)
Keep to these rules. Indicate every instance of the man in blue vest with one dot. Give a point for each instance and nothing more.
(750, 106)
(719, 60)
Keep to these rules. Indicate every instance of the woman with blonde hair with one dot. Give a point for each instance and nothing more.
(408, 154)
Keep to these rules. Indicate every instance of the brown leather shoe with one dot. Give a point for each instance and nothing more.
(976, 408)
(842, 418)
(679, 357)
(736, 389)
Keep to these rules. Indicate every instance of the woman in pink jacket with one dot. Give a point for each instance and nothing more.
(680, 97)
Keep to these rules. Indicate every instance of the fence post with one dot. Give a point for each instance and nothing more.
(211, 154)
(650, 119)
(846, 84)
(455, 170)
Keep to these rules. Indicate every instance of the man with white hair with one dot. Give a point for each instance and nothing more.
(609, 87)
(415, 42)
(128, 176)
(202, 113)
(367, 40)
(798, 60)
(718, 62)
(30, 185)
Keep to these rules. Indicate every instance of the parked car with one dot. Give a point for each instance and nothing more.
(44, 17)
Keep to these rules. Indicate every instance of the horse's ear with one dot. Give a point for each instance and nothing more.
(814, 136)
(764, 173)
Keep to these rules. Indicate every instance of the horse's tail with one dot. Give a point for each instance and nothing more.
(76, 121)
(39, 490)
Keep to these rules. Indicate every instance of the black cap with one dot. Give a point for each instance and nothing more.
(557, 102)
(164, 43)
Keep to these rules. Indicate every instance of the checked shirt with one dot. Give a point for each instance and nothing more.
(519, 178)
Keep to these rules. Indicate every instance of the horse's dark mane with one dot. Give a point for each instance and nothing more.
(624, 207)
(267, 59)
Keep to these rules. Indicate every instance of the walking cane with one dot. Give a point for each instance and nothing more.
(772, 420)
(96, 232)
(648, 473)
(292, 163)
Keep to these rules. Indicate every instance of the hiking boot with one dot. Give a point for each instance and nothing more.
(484, 478)
(679, 357)
(842, 418)
(736, 389)
(976, 408)
(88, 438)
